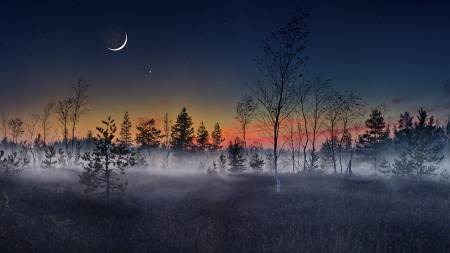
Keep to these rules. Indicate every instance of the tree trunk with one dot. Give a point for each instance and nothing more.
(305, 160)
(277, 176)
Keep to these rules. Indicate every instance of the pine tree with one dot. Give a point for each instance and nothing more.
(202, 138)
(422, 150)
(370, 142)
(404, 127)
(126, 137)
(103, 163)
(217, 139)
(222, 163)
(48, 162)
(256, 162)
(148, 136)
(385, 166)
(182, 136)
(11, 164)
(235, 156)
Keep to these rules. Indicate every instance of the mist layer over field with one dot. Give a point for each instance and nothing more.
(225, 213)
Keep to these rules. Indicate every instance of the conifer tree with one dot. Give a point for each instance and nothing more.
(404, 127)
(385, 166)
(216, 136)
(256, 162)
(182, 135)
(103, 163)
(48, 162)
(235, 156)
(148, 136)
(422, 151)
(222, 163)
(202, 138)
(126, 137)
(369, 143)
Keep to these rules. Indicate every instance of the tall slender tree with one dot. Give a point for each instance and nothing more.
(313, 115)
(80, 98)
(63, 111)
(216, 138)
(126, 137)
(245, 113)
(31, 127)
(15, 126)
(202, 138)
(405, 125)
(4, 124)
(166, 128)
(46, 122)
(274, 85)
(370, 141)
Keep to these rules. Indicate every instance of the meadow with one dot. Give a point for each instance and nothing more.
(45, 211)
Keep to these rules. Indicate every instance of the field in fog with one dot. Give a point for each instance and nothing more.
(242, 213)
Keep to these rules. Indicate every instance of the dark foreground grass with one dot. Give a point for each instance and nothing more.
(200, 213)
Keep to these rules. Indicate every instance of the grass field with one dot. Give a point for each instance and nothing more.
(202, 213)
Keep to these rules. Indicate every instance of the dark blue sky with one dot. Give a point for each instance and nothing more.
(201, 54)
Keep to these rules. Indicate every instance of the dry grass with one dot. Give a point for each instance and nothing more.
(200, 213)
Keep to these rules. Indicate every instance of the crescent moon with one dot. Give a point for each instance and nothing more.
(117, 49)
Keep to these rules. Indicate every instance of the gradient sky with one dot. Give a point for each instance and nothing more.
(201, 54)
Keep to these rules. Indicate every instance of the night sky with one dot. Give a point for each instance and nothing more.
(201, 54)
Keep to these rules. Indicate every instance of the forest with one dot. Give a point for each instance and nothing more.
(331, 176)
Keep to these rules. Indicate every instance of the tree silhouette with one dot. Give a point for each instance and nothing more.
(274, 86)
(148, 136)
(216, 138)
(405, 125)
(126, 137)
(202, 138)
(245, 113)
(103, 163)
(369, 143)
(4, 124)
(50, 154)
(422, 150)
(235, 156)
(182, 135)
(63, 111)
(313, 98)
(80, 98)
(16, 130)
(46, 122)
(31, 127)
(166, 127)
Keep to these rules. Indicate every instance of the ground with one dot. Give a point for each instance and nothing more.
(224, 213)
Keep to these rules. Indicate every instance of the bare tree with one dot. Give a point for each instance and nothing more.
(4, 124)
(279, 73)
(351, 115)
(292, 135)
(63, 111)
(166, 128)
(332, 117)
(79, 104)
(313, 109)
(245, 113)
(45, 122)
(31, 127)
(16, 130)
